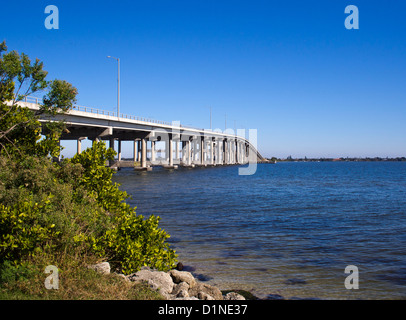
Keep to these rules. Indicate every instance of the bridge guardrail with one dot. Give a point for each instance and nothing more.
(114, 114)
(103, 112)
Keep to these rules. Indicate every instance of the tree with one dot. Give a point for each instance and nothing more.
(72, 207)
(20, 129)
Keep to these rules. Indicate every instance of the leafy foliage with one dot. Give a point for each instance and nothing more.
(21, 232)
(20, 130)
(133, 241)
(73, 207)
(136, 242)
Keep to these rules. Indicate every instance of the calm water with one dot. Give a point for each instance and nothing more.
(289, 230)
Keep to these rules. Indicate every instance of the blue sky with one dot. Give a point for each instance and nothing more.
(289, 69)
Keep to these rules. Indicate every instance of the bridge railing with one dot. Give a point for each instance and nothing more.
(103, 112)
(114, 114)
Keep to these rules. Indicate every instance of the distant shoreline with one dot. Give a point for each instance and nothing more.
(376, 159)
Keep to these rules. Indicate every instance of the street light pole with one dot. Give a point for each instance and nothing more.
(118, 85)
(210, 119)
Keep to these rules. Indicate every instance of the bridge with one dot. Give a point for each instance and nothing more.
(184, 146)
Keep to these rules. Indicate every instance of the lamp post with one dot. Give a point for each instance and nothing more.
(210, 117)
(118, 85)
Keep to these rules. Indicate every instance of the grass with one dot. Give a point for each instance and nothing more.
(76, 282)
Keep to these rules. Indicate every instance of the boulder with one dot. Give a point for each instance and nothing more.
(204, 296)
(103, 267)
(180, 290)
(183, 276)
(203, 289)
(233, 296)
(186, 298)
(158, 280)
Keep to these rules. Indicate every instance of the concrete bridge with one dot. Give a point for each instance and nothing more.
(184, 146)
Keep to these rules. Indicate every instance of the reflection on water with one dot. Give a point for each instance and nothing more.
(289, 230)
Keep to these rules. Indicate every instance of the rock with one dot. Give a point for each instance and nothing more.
(204, 296)
(233, 296)
(205, 288)
(179, 266)
(103, 267)
(181, 290)
(182, 294)
(158, 280)
(187, 298)
(183, 276)
(180, 285)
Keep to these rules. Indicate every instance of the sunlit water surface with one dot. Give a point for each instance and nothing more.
(289, 230)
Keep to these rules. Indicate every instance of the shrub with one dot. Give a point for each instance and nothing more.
(137, 242)
(75, 207)
(133, 241)
(21, 231)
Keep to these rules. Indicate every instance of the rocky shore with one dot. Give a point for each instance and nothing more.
(174, 284)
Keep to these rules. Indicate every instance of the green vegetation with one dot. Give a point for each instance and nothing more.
(68, 214)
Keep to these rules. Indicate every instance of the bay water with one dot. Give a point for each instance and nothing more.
(289, 230)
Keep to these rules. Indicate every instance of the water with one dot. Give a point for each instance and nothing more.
(289, 230)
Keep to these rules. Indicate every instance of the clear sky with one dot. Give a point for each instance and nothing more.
(289, 69)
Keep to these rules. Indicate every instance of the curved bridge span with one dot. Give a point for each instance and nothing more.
(184, 146)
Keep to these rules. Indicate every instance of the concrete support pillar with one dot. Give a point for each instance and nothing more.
(79, 145)
(143, 152)
(166, 153)
(230, 151)
(188, 152)
(193, 151)
(239, 153)
(119, 149)
(235, 151)
(242, 153)
(183, 152)
(211, 151)
(153, 157)
(196, 153)
(176, 151)
(224, 151)
(232, 157)
(170, 151)
(219, 152)
(202, 150)
(111, 143)
(135, 150)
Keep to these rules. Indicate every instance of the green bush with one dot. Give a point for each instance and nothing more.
(137, 242)
(10, 272)
(133, 241)
(71, 211)
(21, 231)
(75, 207)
